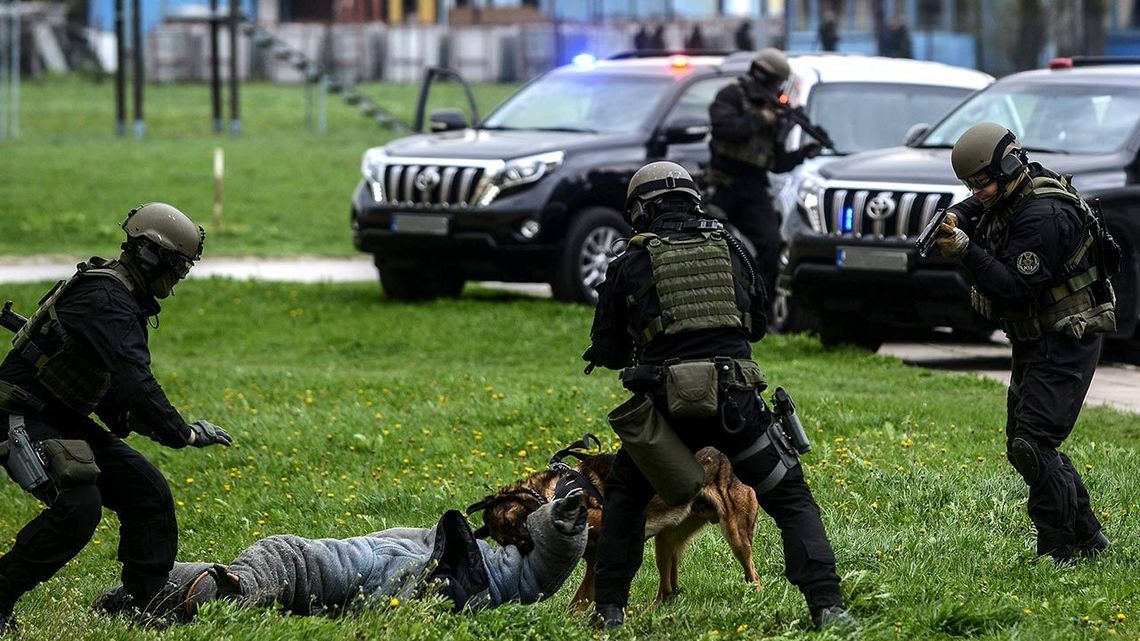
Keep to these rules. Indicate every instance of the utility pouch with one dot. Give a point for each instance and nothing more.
(692, 389)
(70, 462)
(665, 461)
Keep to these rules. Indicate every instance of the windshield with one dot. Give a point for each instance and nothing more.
(861, 116)
(578, 101)
(1049, 117)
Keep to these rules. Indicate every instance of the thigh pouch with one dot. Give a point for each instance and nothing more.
(665, 461)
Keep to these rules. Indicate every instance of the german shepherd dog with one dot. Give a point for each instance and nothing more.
(723, 499)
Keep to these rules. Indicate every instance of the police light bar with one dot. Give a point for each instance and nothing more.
(584, 61)
(679, 61)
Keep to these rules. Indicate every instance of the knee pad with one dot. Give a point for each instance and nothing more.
(1023, 457)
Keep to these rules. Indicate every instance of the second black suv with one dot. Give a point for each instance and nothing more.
(853, 271)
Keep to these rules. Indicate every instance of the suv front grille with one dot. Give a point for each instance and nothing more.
(431, 184)
(881, 213)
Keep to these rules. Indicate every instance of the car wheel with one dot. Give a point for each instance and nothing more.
(788, 316)
(587, 253)
(848, 329)
(409, 285)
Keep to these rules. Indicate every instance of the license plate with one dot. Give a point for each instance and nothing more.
(872, 259)
(420, 224)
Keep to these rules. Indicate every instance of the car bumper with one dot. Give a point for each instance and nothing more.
(904, 291)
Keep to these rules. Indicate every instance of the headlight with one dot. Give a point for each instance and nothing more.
(809, 194)
(372, 168)
(522, 171)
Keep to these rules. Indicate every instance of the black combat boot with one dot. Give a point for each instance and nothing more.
(834, 617)
(607, 616)
(1093, 546)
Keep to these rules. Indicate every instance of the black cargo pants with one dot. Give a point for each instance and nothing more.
(808, 557)
(128, 484)
(1047, 388)
(749, 208)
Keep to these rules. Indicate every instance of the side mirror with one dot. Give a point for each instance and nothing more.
(686, 129)
(447, 120)
(915, 132)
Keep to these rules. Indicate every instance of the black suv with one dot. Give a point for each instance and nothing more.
(852, 271)
(534, 191)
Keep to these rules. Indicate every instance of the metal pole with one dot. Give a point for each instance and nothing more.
(5, 51)
(309, 102)
(14, 75)
(139, 77)
(322, 111)
(215, 68)
(235, 21)
(120, 71)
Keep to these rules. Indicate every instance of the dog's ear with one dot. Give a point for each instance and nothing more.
(480, 506)
(482, 533)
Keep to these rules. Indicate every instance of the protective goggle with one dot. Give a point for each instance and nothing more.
(978, 181)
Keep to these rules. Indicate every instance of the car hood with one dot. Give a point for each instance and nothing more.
(501, 145)
(932, 166)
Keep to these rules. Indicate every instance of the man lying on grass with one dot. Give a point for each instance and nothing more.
(311, 576)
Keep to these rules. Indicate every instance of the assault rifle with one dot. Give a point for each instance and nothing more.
(797, 116)
(925, 241)
(10, 320)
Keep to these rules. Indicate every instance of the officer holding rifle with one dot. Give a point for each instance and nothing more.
(84, 351)
(1040, 258)
(677, 313)
(749, 125)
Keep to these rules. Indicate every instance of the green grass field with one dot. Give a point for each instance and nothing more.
(68, 181)
(352, 414)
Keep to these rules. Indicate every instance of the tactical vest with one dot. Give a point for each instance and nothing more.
(759, 150)
(1079, 302)
(695, 284)
(73, 373)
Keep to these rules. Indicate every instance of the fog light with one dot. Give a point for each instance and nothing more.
(529, 228)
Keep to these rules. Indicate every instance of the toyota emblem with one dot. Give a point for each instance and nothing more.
(881, 207)
(427, 179)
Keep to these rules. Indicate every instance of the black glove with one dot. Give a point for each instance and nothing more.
(206, 433)
(811, 149)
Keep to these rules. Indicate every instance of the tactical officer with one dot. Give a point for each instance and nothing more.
(1040, 259)
(83, 352)
(747, 143)
(677, 313)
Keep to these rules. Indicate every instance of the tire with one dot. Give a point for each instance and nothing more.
(848, 329)
(586, 254)
(789, 316)
(412, 285)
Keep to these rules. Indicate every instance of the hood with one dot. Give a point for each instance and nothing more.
(932, 165)
(478, 144)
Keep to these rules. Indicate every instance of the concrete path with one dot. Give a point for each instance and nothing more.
(1114, 384)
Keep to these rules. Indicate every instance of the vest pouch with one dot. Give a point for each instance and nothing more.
(70, 462)
(74, 378)
(691, 389)
(665, 461)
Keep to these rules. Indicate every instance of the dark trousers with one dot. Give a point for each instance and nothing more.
(749, 208)
(1049, 380)
(128, 484)
(808, 557)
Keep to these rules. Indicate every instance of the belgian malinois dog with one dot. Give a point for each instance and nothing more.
(724, 499)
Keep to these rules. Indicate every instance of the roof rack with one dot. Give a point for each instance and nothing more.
(1092, 61)
(665, 53)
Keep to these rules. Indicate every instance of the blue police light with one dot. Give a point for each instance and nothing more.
(848, 221)
(584, 61)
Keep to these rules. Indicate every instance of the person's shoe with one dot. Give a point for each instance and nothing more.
(1093, 546)
(607, 616)
(834, 617)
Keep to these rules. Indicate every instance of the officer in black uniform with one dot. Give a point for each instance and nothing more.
(84, 351)
(684, 298)
(1040, 259)
(747, 143)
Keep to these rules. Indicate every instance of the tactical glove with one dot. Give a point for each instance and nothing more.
(206, 433)
(811, 150)
(954, 243)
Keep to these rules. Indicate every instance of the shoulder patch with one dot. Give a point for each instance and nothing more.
(1028, 263)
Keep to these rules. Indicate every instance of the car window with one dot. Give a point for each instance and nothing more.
(1050, 117)
(861, 116)
(582, 101)
(694, 102)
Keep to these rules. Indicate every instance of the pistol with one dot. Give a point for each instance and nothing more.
(25, 463)
(10, 320)
(925, 241)
(786, 410)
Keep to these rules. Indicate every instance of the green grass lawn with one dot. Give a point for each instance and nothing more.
(68, 181)
(352, 414)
